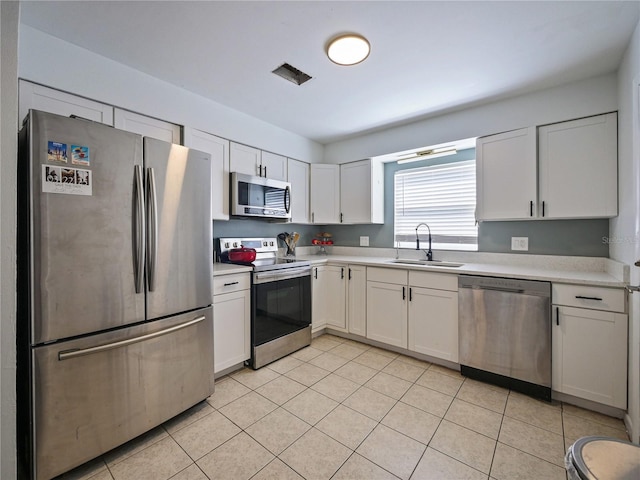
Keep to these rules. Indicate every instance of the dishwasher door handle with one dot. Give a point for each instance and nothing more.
(498, 289)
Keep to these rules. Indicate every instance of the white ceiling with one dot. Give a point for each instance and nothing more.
(427, 57)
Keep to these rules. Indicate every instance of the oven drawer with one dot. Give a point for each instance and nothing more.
(231, 283)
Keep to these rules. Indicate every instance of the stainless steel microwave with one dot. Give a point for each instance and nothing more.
(260, 197)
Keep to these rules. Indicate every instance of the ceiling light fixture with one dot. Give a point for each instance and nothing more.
(348, 49)
(428, 154)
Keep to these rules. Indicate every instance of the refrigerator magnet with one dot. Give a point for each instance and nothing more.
(57, 152)
(79, 155)
(69, 181)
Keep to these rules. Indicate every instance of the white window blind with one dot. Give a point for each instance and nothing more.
(442, 196)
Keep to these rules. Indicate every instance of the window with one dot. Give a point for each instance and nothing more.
(442, 196)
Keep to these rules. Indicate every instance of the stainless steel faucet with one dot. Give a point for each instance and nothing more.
(428, 253)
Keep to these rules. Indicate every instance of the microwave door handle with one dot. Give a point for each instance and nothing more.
(287, 199)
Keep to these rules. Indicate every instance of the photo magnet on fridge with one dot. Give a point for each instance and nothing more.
(57, 152)
(79, 155)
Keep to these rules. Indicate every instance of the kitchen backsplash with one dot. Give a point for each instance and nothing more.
(587, 238)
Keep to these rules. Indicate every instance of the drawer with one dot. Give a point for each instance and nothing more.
(231, 283)
(387, 275)
(438, 281)
(586, 296)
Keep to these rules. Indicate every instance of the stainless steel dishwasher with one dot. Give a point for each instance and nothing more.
(505, 333)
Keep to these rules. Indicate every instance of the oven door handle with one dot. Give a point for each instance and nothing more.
(277, 275)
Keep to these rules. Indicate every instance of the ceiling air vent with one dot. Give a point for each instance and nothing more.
(292, 74)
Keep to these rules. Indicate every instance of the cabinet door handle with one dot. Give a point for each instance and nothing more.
(341, 273)
(230, 283)
(259, 170)
(531, 208)
(265, 171)
(313, 217)
(341, 217)
(315, 273)
(558, 316)
(410, 294)
(404, 293)
(349, 274)
(581, 297)
(543, 208)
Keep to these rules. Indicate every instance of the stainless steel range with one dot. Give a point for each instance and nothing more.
(280, 299)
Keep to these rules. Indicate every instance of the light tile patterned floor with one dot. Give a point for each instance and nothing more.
(340, 409)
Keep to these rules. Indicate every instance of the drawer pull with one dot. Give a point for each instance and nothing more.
(582, 297)
(230, 283)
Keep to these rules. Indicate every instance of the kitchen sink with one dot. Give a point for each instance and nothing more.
(426, 263)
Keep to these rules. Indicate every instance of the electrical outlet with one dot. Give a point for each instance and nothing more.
(364, 241)
(520, 243)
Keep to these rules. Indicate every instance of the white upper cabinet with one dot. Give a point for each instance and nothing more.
(579, 168)
(37, 97)
(256, 162)
(349, 193)
(560, 171)
(506, 176)
(218, 148)
(245, 159)
(325, 193)
(298, 177)
(361, 192)
(274, 166)
(147, 126)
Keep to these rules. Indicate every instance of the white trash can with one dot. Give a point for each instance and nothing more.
(602, 458)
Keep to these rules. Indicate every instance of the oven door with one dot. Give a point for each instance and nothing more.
(280, 314)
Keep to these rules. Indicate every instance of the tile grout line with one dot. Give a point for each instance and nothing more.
(428, 366)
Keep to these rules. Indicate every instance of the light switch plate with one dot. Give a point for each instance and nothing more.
(520, 243)
(364, 241)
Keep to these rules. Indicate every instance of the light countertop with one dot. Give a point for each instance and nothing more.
(229, 268)
(594, 271)
(604, 277)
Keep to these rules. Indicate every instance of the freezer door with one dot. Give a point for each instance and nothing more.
(93, 394)
(80, 177)
(179, 228)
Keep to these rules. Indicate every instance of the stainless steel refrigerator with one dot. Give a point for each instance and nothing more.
(115, 325)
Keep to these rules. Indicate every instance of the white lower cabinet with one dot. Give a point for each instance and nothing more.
(433, 315)
(328, 297)
(414, 310)
(387, 304)
(231, 320)
(589, 345)
(357, 300)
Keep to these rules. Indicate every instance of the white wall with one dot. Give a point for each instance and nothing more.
(9, 18)
(574, 100)
(625, 229)
(116, 84)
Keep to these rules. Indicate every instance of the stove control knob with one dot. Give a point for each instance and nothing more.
(264, 244)
(235, 244)
(271, 244)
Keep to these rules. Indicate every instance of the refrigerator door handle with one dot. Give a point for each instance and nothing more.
(67, 355)
(152, 229)
(139, 230)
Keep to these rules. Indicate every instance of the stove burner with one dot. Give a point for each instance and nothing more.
(266, 254)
